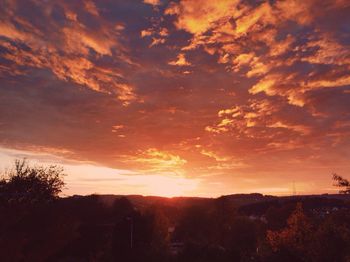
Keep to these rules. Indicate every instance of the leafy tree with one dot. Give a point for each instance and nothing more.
(331, 241)
(342, 183)
(25, 184)
(295, 238)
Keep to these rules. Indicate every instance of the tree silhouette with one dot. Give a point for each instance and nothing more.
(294, 238)
(342, 183)
(25, 184)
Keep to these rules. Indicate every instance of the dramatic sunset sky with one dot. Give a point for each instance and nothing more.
(187, 97)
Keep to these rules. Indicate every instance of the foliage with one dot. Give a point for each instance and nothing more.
(90, 228)
(295, 236)
(342, 183)
(25, 184)
(331, 241)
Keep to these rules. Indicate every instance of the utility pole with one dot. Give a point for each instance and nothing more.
(131, 231)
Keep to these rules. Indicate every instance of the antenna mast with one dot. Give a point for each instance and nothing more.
(294, 189)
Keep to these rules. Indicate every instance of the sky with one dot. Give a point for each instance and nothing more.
(186, 97)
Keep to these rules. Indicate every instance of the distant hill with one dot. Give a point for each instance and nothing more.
(237, 200)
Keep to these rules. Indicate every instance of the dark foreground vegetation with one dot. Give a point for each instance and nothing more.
(37, 225)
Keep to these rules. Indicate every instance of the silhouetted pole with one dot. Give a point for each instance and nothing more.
(294, 189)
(131, 231)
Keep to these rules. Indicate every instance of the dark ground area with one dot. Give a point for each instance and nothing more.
(249, 227)
(38, 225)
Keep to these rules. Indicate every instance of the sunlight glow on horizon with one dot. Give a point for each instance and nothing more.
(178, 97)
(86, 178)
(90, 179)
(104, 180)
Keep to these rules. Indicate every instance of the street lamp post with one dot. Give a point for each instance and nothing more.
(131, 231)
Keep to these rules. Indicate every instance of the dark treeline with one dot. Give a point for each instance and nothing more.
(37, 225)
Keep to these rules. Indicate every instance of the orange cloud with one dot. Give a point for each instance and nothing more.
(152, 2)
(69, 58)
(91, 7)
(262, 13)
(181, 61)
(155, 161)
(297, 10)
(10, 31)
(197, 17)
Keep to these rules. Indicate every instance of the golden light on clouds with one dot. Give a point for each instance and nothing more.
(181, 61)
(188, 97)
(157, 161)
